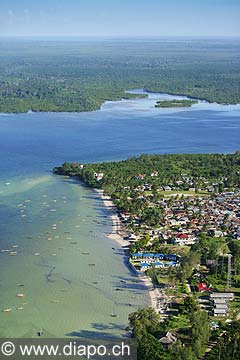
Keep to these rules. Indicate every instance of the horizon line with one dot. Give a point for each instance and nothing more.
(119, 36)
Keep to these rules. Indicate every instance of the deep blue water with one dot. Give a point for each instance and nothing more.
(34, 143)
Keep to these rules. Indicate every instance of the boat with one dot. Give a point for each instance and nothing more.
(20, 295)
(40, 332)
(113, 315)
(13, 253)
(7, 310)
(91, 264)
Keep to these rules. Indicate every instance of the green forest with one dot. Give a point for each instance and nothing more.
(81, 75)
(119, 175)
(194, 337)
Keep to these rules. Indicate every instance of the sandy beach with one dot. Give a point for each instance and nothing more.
(118, 233)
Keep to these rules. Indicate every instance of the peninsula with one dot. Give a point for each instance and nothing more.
(182, 216)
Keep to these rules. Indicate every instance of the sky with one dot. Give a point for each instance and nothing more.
(119, 18)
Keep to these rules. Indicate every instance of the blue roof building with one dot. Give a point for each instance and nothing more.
(171, 263)
(145, 265)
(137, 255)
(158, 264)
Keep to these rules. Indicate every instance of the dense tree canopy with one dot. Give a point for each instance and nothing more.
(80, 75)
(121, 176)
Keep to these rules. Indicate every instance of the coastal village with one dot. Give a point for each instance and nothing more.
(186, 218)
(182, 239)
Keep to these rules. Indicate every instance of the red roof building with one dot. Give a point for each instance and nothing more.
(203, 287)
(182, 236)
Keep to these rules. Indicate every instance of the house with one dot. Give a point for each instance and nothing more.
(158, 256)
(98, 176)
(145, 266)
(137, 256)
(221, 306)
(171, 263)
(184, 239)
(167, 188)
(154, 174)
(226, 296)
(154, 259)
(203, 287)
(220, 312)
(168, 339)
(214, 325)
(132, 237)
(158, 264)
(220, 303)
(171, 257)
(140, 176)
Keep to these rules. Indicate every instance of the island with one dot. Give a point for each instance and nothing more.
(181, 214)
(175, 103)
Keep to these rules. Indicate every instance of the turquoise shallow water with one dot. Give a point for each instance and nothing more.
(63, 294)
(57, 228)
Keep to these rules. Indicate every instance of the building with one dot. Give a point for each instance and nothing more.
(222, 296)
(203, 287)
(220, 312)
(98, 176)
(145, 266)
(168, 339)
(148, 260)
(184, 239)
(220, 303)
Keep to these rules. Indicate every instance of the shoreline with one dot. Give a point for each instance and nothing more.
(117, 234)
(29, 112)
